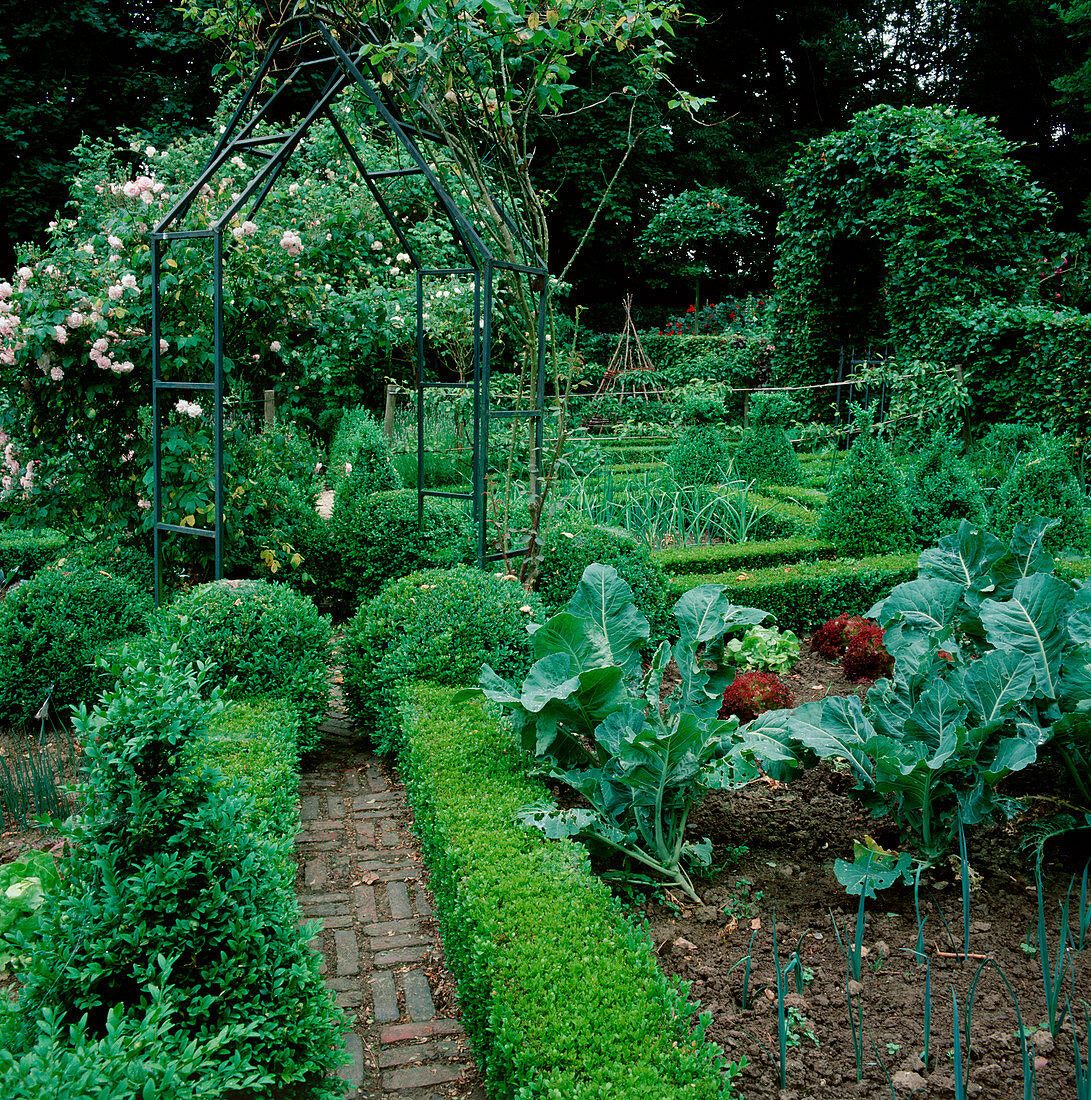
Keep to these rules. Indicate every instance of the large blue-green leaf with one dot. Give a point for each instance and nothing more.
(939, 720)
(890, 703)
(965, 557)
(996, 681)
(492, 686)
(1027, 547)
(618, 729)
(657, 758)
(550, 678)
(830, 727)
(1079, 615)
(569, 634)
(705, 614)
(1076, 677)
(606, 601)
(925, 604)
(873, 868)
(1012, 755)
(1033, 622)
(769, 742)
(555, 823)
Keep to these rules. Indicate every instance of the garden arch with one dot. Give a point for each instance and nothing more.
(899, 220)
(315, 56)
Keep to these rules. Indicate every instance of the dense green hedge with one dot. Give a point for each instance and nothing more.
(809, 496)
(252, 745)
(562, 998)
(177, 894)
(265, 639)
(722, 557)
(781, 519)
(23, 553)
(804, 594)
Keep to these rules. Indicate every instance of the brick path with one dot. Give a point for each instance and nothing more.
(360, 874)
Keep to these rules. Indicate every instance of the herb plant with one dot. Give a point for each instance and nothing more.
(594, 720)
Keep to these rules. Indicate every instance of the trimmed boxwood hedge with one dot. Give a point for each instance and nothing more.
(560, 995)
(804, 594)
(722, 556)
(23, 553)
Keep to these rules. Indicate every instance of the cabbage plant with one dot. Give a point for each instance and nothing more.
(593, 715)
(992, 660)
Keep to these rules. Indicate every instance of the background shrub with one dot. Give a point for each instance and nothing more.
(23, 553)
(1002, 446)
(360, 444)
(941, 491)
(764, 454)
(375, 536)
(568, 551)
(1042, 483)
(700, 457)
(865, 510)
(52, 628)
(129, 558)
(442, 624)
(271, 639)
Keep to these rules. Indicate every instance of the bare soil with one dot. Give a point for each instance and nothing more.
(789, 836)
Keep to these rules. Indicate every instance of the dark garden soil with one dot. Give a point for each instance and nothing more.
(790, 836)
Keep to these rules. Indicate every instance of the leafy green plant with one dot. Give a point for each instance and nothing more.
(593, 721)
(378, 535)
(51, 630)
(764, 648)
(865, 510)
(990, 649)
(24, 884)
(1042, 483)
(167, 886)
(941, 490)
(264, 639)
(359, 447)
(765, 455)
(567, 551)
(700, 457)
(443, 623)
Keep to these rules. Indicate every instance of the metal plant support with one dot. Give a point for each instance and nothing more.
(318, 50)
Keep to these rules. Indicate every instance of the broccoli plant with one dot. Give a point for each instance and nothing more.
(594, 717)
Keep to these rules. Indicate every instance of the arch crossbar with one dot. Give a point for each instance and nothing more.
(315, 55)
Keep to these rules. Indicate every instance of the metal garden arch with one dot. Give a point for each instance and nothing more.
(318, 50)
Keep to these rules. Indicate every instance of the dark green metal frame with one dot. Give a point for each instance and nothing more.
(328, 54)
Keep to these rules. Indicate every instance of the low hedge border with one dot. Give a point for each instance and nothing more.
(804, 594)
(1073, 569)
(252, 743)
(782, 519)
(23, 553)
(723, 556)
(561, 997)
(807, 495)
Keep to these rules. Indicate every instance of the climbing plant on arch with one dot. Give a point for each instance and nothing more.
(895, 225)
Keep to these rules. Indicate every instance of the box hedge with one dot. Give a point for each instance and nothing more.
(721, 557)
(561, 996)
(803, 594)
